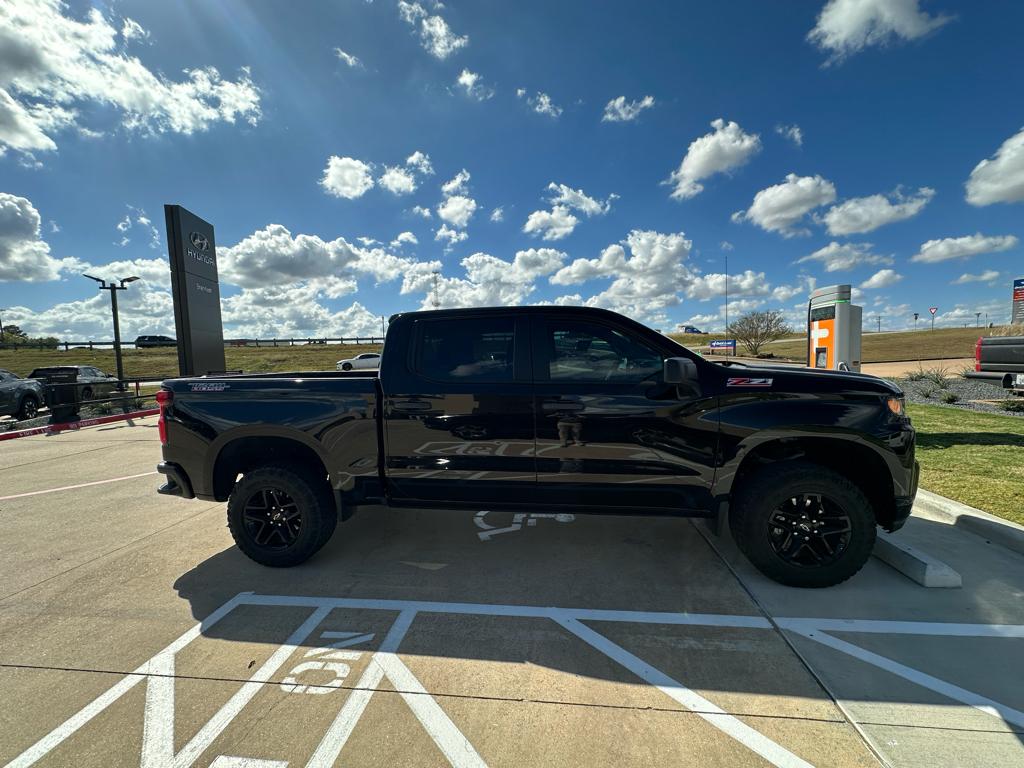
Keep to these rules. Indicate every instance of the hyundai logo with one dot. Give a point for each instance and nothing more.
(200, 241)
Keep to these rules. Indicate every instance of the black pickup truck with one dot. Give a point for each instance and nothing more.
(551, 408)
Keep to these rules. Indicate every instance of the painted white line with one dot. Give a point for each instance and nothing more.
(158, 720)
(449, 739)
(337, 735)
(198, 744)
(728, 724)
(937, 628)
(979, 702)
(521, 611)
(55, 737)
(224, 761)
(79, 485)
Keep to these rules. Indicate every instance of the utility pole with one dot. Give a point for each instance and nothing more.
(437, 300)
(114, 288)
(382, 331)
(879, 323)
(2, 310)
(727, 298)
(915, 320)
(977, 319)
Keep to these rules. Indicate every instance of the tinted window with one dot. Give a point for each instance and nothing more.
(5, 376)
(467, 349)
(582, 351)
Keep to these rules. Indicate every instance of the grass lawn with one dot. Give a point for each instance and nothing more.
(975, 458)
(889, 347)
(163, 362)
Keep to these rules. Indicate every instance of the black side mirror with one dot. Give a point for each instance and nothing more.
(680, 370)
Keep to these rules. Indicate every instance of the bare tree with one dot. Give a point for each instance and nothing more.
(755, 329)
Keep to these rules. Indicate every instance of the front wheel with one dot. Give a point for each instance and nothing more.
(279, 516)
(346, 367)
(29, 408)
(803, 525)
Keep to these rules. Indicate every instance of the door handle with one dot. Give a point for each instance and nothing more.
(410, 406)
(563, 404)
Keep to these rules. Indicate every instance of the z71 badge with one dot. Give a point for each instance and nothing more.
(746, 382)
(209, 386)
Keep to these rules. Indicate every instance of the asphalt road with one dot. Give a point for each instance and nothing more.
(133, 633)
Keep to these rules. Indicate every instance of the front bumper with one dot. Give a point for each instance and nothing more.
(177, 483)
(904, 505)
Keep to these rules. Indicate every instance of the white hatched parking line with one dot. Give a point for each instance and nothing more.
(158, 729)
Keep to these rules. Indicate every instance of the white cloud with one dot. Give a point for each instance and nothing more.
(457, 210)
(949, 248)
(791, 132)
(988, 276)
(725, 245)
(421, 211)
(347, 58)
(470, 83)
(725, 149)
(136, 219)
(866, 214)
(132, 30)
(404, 238)
(53, 66)
(618, 110)
(397, 181)
(999, 179)
(450, 235)
(780, 207)
(436, 36)
(847, 26)
(498, 214)
(838, 257)
(883, 278)
(746, 283)
(551, 225)
(458, 184)
(559, 222)
(140, 311)
(420, 162)
(24, 255)
(347, 177)
(541, 103)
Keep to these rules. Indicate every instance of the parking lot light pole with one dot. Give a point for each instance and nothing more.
(114, 288)
(2, 310)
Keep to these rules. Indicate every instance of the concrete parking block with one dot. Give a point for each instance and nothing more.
(915, 564)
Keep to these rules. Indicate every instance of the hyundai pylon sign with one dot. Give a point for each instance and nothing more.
(196, 292)
(1017, 316)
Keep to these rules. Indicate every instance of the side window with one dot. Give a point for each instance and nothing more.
(584, 351)
(463, 349)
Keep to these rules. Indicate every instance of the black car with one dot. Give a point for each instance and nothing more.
(147, 342)
(571, 409)
(19, 397)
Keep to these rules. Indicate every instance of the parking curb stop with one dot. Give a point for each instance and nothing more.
(932, 506)
(915, 564)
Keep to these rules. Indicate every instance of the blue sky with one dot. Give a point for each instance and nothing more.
(279, 122)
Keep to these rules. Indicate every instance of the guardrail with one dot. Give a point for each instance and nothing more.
(291, 342)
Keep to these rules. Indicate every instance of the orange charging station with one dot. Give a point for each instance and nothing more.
(833, 329)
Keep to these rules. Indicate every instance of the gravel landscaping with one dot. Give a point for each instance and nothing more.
(930, 391)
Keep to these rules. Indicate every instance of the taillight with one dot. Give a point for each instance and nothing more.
(164, 398)
(977, 355)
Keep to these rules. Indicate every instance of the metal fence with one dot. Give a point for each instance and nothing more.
(294, 342)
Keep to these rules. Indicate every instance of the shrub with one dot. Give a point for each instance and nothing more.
(104, 409)
(950, 397)
(918, 375)
(939, 377)
(1013, 406)
(928, 392)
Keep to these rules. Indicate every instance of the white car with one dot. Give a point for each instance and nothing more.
(365, 360)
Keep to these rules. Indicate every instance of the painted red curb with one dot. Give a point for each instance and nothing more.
(52, 429)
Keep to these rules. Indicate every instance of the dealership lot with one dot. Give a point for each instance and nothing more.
(131, 632)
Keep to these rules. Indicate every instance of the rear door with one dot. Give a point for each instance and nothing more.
(7, 386)
(458, 411)
(610, 432)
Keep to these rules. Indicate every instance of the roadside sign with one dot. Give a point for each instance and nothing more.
(933, 310)
(723, 343)
(1017, 313)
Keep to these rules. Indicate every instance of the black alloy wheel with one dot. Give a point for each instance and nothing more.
(29, 408)
(272, 519)
(809, 530)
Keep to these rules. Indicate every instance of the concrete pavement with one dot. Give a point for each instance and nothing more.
(432, 638)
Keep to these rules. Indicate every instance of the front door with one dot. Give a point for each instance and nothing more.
(458, 417)
(610, 432)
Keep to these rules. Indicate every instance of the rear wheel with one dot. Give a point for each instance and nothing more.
(87, 394)
(281, 516)
(803, 525)
(29, 407)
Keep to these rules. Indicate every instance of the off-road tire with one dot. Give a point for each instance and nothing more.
(311, 498)
(29, 407)
(767, 490)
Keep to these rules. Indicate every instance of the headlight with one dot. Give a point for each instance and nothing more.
(896, 405)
